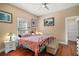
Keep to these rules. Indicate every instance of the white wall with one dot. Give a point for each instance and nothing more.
(58, 30)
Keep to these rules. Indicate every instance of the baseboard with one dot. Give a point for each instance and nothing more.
(63, 43)
(1, 50)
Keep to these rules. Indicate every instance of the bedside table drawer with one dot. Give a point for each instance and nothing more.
(10, 46)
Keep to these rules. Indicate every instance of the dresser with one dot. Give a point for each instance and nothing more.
(9, 46)
(77, 46)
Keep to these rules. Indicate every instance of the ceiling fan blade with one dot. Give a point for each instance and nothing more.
(39, 8)
(44, 3)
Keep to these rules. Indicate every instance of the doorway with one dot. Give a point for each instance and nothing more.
(71, 28)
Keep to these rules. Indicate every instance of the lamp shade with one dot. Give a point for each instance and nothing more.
(10, 34)
(6, 37)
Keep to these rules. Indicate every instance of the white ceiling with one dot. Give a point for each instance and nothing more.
(38, 10)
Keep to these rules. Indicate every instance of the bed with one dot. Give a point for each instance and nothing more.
(35, 42)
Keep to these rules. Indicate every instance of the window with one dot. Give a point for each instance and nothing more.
(22, 25)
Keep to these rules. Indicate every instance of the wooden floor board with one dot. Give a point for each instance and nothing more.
(67, 50)
(63, 50)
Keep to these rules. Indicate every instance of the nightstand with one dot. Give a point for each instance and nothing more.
(9, 46)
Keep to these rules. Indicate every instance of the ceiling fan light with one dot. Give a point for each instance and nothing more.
(43, 6)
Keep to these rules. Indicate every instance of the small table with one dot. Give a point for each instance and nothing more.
(9, 46)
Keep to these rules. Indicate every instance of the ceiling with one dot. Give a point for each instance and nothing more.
(38, 10)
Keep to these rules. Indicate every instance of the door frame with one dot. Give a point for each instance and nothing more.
(66, 31)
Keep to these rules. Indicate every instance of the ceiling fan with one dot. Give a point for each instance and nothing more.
(45, 5)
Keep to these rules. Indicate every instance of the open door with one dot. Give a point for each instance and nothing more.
(71, 28)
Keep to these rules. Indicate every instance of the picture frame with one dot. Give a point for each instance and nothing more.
(5, 17)
(33, 23)
(49, 21)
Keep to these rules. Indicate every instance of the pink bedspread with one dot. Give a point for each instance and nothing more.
(35, 41)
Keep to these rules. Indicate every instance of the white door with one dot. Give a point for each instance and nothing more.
(72, 29)
(78, 26)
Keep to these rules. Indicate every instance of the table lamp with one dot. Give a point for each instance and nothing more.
(10, 34)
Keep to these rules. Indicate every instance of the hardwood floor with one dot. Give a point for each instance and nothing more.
(23, 52)
(67, 50)
(64, 50)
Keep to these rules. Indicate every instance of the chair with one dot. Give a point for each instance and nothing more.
(52, 47)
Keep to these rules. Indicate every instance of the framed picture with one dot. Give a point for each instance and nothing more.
(33, 24)
(5, 17)
(49, 21)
